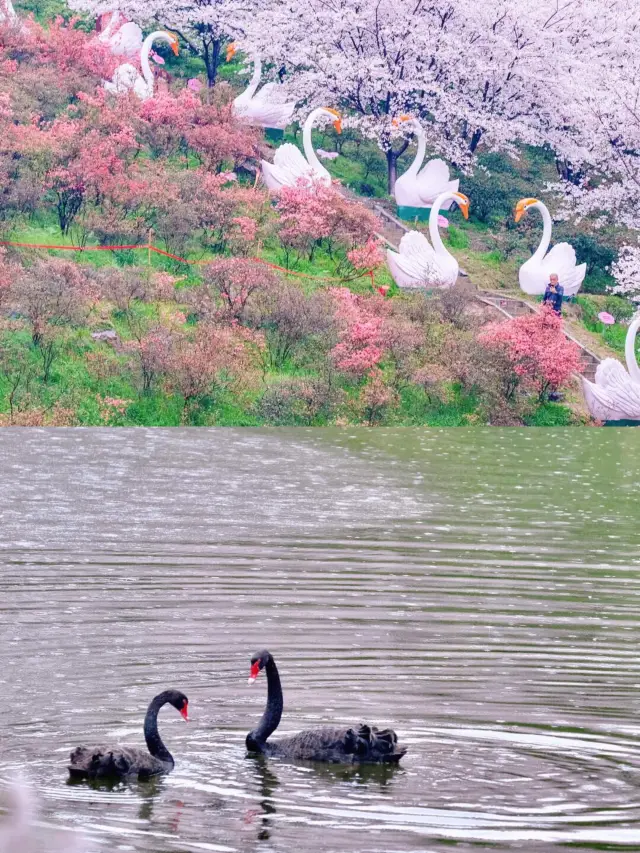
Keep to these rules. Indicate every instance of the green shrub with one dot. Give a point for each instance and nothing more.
(596, 255)
(590, 311)
(492, 196)
(619, 308)
(615, 336)
(550, 415)
(43, 10)
(494, 258)
(597, 283)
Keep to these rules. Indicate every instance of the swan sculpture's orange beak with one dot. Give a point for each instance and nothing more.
(398, 121)
(175, 47)
(231, 51)
(522, 206)
(185, 711)
(338, 122)
(255, 672)
(463, 203)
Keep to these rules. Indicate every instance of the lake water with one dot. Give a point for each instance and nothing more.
(478, 590)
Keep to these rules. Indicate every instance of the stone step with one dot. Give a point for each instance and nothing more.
(392, 232)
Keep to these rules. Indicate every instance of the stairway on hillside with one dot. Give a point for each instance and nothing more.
(509, 306)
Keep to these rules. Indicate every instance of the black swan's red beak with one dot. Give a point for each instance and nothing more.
(255, 672)
(185, 711)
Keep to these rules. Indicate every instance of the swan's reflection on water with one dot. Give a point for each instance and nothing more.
(267, 782)
(265, 777)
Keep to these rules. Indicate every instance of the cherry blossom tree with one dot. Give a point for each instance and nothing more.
(471, 72)
(363, 338)
(542, 358)
(317, 214)
(203, 25)
(607, 102)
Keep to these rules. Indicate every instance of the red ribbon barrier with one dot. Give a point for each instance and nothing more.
(150, 248)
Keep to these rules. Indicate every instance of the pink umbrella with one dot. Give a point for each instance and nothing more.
(194, 84)
(606, 318)
(443, 222)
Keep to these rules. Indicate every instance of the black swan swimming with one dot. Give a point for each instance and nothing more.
(120, 762)
(336, 745)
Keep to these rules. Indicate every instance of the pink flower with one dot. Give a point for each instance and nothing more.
(606, 318)
(443, 222)
(248, 227)
(157, 58)
(194, 84)
(367, 257)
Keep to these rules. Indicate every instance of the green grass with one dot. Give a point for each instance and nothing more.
(417, 408)
(550, 415)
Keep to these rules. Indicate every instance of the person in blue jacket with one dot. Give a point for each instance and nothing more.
(554, 294)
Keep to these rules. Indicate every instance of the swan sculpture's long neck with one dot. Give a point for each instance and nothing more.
(147, 44)
(255, 77)
(630, 350)
(434, 231)
(10, 11)
(414, 168)
(151, 735)
(111, 26)
(147, 73)
(542, 249)
(307, 144)
(273, 712)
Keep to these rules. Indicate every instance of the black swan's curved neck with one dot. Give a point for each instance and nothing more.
(151, 734)
(273, 712)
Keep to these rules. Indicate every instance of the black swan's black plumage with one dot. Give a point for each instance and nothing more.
(120, 762)
(333, 744)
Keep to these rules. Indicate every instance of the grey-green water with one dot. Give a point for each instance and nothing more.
(478, 590)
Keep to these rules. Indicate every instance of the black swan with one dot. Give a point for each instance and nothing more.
(336, 745)
(120, 762)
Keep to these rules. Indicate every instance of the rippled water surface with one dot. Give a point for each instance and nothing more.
(477, 590)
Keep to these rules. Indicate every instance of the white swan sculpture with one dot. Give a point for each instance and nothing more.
(534, 273)
(423, 264)
(7, 12)
(289, 164)
(127, 77)
(23, 829)
(10, 17)
(123, 37)
(615, 395)
(262, 107)
(418, 188)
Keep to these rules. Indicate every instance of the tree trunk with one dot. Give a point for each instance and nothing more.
(392, 170)
(475, 140)
(392, 165)
(211, 58)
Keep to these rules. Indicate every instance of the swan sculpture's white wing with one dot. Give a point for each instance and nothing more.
(267, 92)
(124, 79)
(7, 12)
(562, 261)
(289, 158)
(289, 165)
(266, 107)
(127, 41)
(267, 114)
(433, 180)
(21, 831)
(615, 395)
(415, 265)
